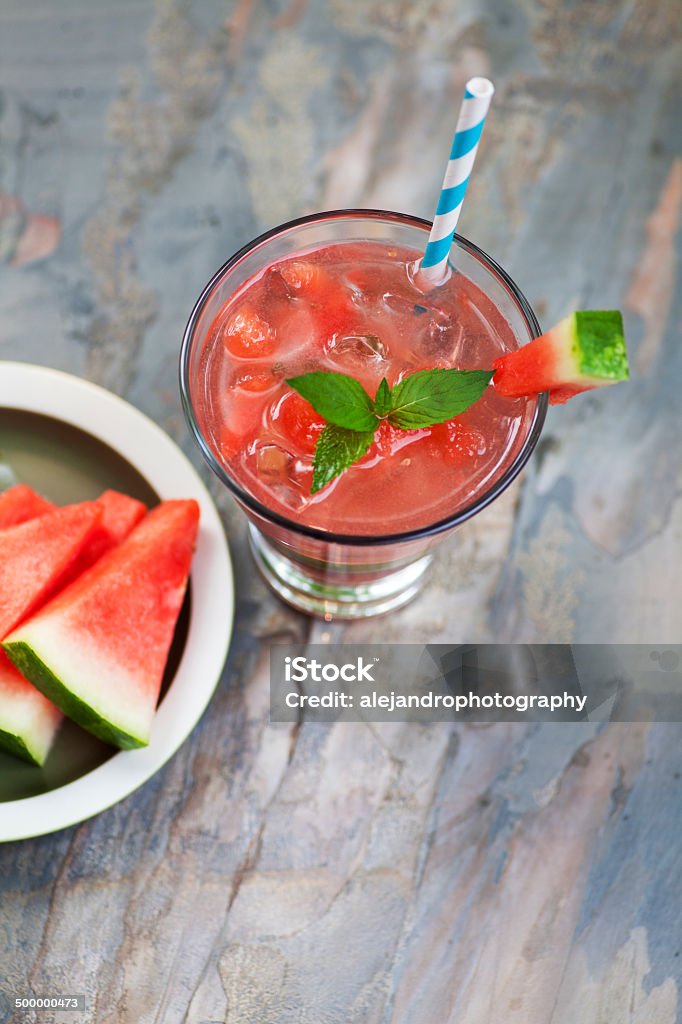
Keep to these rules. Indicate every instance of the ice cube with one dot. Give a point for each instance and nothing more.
(433, 335)
(290, 484)
(358, 283)
(358, 349)
(275, 286)
(302, 476)
(419, 311)
(273, 464)
(442, 343)
(398, 304)
(287, 476)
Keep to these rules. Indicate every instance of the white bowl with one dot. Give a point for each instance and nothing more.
(109, 419)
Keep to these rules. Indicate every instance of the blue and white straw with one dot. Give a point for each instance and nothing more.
(477, 96)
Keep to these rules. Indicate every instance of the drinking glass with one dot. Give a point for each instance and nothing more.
(337, 575)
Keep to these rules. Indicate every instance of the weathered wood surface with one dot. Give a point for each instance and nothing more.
(370, 874)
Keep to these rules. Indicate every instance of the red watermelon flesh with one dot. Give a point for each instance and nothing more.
(36, 557)
(99, 648)
(559, 396)
(120, 514)
(19, 504)
(29, 722)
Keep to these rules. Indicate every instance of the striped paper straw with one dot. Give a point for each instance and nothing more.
(477, 96)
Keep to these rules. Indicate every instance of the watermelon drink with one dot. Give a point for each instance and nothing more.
(340, 292)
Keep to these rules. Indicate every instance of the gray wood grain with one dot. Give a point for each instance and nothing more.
(352, 873)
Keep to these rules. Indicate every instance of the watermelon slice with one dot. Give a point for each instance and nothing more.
(19, 504)
(37, 556)
(120, 514)
(28, 721)
(99, 648)
(585, 350)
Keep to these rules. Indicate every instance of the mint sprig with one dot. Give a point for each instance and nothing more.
(421, 399)
(338, 398)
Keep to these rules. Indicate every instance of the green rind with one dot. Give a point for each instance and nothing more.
(598, 344)
(14, 745)
(37, 672)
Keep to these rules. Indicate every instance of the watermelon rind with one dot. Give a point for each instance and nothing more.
(17, 747)
(599, 344)
(29, 723)
(29, 662)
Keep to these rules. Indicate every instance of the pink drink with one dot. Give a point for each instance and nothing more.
(335, 291)
(354, 308)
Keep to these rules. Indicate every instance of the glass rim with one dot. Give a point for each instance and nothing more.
(355, 539)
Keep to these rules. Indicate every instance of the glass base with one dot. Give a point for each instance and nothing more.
(330, 600)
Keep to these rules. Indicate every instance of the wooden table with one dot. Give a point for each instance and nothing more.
(350, 873)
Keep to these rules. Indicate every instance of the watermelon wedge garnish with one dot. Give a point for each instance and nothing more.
(310, 281)
(98, 650)
(585, 350)
(37, 556)
(20, 503)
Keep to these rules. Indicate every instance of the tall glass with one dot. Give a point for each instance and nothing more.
(336, 574)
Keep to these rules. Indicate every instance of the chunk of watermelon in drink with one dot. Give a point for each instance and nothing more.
(248, 336)
(297, 421)
(390, 440)
(336, 314)
(459, 443)
(309, 280)
(254, 382)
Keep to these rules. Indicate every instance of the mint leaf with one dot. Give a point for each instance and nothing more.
(338, 398)
(382, 402)
(337, 449)
(434, 396)
(423, 399)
